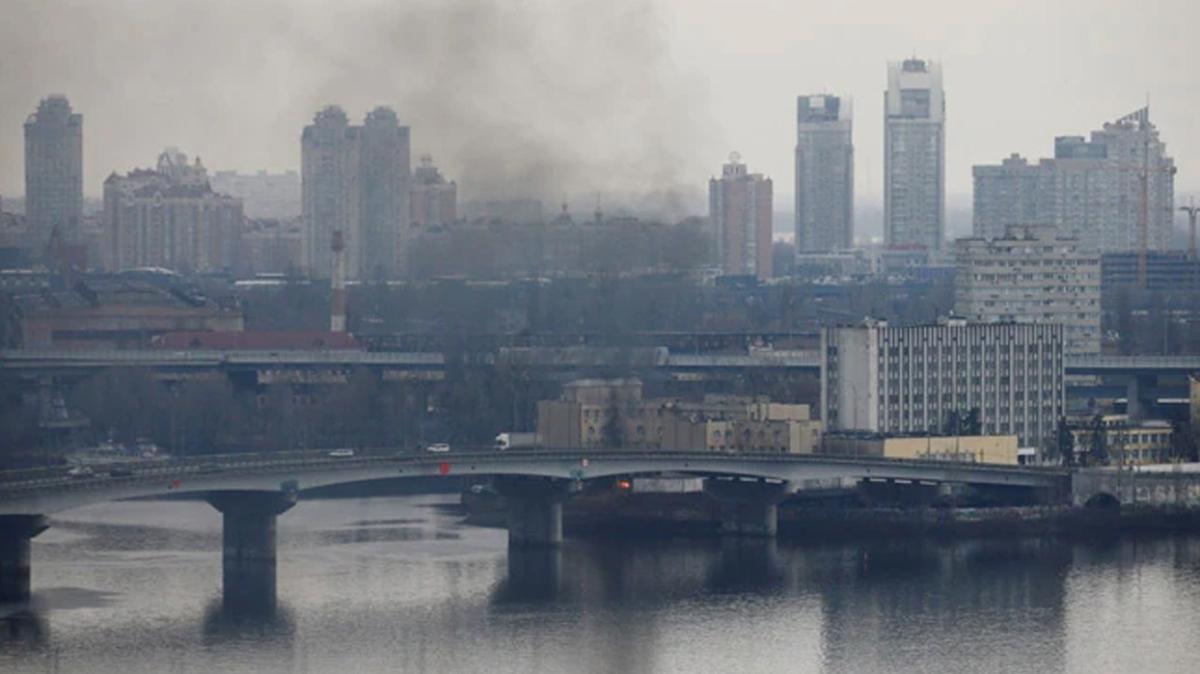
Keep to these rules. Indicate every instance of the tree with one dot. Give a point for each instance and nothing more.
(952, 424)
(1065, 441)
(1183, 442)
(1098, 452)
(972, 425)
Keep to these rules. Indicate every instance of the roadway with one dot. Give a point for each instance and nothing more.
(39, 360)
(27, 492)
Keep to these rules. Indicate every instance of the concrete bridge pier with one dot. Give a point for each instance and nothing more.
(1136, 401)
(248, 555)
(534, 510)
(748, 507)
(16, 531)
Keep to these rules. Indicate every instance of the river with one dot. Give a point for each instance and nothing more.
(399, 584)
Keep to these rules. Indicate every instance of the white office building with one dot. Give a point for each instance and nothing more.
(909, 380)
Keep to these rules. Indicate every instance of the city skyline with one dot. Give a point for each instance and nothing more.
(694, 95)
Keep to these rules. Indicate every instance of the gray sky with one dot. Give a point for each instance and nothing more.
(576, 97)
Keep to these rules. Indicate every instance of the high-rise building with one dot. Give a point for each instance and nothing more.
(914, 163)
(385, 182)
(355, 179)
(739, 207)
(1006, 195)
(917, 380)
(824, 175)
(170, 217)
(433, 200)
(329, 151)
(1030, 275)
(263, 194)
(54, 169)
(1091, 189)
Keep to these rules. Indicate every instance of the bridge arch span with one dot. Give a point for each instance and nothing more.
(1102, 500)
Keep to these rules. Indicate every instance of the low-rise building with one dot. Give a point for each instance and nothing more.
(118, 313)
(613, 414)
(967, 448)
(1123, 440)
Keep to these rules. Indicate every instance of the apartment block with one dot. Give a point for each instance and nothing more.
(1092, 188)
(739, 207)
(1031, 275)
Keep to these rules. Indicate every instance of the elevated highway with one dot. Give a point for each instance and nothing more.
(49, 361)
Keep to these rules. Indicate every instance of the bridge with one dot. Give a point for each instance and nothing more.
(251, 491)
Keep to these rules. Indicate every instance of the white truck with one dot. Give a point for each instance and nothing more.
(513, 440)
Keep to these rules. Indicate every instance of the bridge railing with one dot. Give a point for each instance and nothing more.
(244, 465)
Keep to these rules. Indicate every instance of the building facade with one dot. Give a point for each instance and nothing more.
(1124, 440)
(355, 179)
(54, 170)
(433, 201)
(263, 194)
(1005, 195)
(613, 414)
(170, 217)
(1171, 270)
(1030, 275)
(739, 208)
(824, 175)
(330, 200)
(914, 164)
(1091, 189)
(270, 246)
(915, 380)
(385, 181)
(1002, 449)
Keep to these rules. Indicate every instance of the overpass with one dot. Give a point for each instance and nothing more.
(38, 361)
(252, 490)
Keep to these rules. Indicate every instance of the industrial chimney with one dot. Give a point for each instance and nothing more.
(337, 302)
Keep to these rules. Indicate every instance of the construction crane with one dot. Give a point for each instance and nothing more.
(1142, 118)
(1191, 209)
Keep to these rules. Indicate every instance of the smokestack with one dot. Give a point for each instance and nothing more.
(337, 302)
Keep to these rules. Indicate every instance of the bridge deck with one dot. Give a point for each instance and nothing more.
(46, 493)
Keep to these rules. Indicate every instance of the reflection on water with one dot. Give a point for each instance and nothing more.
(398, 584)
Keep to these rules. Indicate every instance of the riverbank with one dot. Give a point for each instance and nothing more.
(698, 515)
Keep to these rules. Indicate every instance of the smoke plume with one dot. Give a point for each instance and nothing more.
(543, 98)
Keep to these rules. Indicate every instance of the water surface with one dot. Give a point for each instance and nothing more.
(398, 584)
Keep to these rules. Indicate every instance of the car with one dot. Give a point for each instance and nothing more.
(342, 453)
(80, 472)
(438, 448)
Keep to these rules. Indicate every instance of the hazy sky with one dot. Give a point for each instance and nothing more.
(574, 97)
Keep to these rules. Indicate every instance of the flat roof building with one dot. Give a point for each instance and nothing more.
(1031, 275)
(914, 168)
(739, 207)
(54, 169)
(824, 174)
(925, 379)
